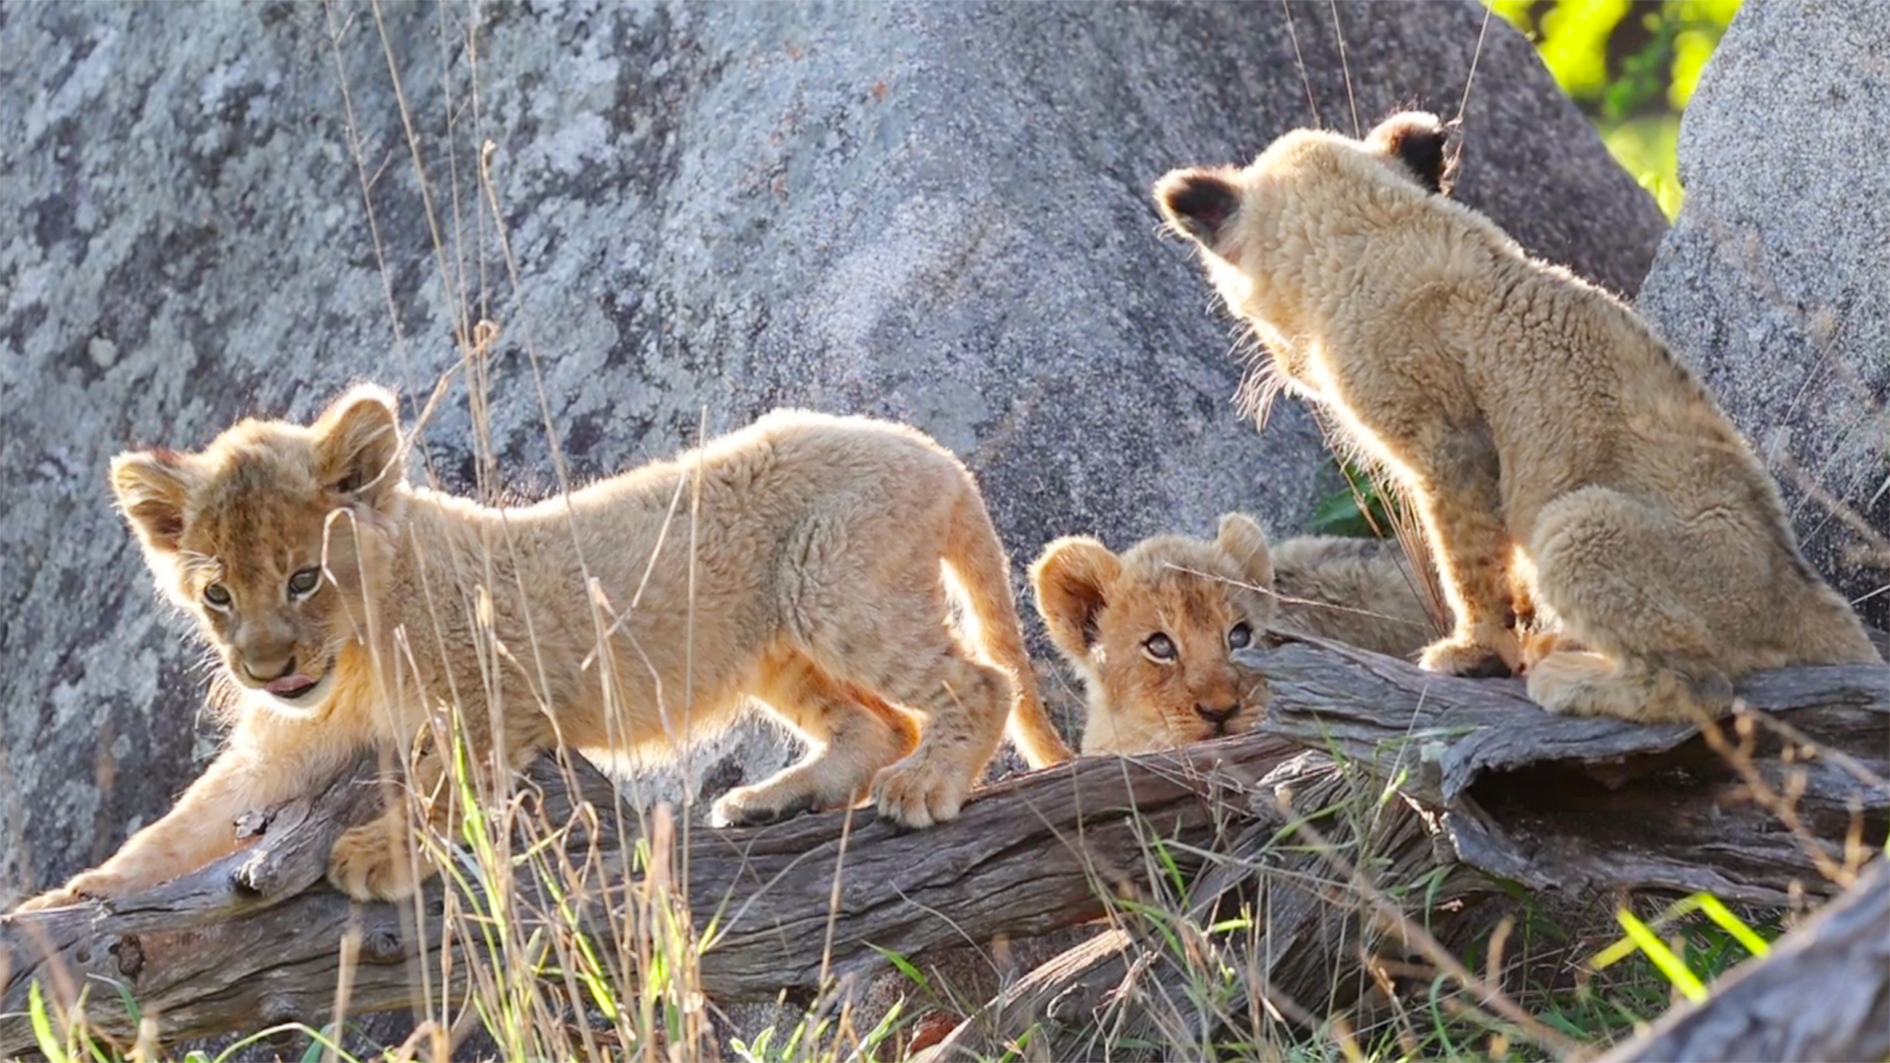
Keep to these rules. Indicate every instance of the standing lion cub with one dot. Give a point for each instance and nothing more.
(348, 606)
(1563, 462)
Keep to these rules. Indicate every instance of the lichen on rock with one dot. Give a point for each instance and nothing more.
(935, 212)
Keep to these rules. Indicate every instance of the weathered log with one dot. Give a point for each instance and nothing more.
(242, 943)
(1553, 802)
(1522, 794)
(1582, 803)
(1316, 916)
(1133, 981)
(1821, 993)
(1029, 855)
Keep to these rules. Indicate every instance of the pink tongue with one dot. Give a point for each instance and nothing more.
(290, 684)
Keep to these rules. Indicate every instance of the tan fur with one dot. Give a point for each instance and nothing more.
(808, 574)
(1102, 611)
(1529, 415)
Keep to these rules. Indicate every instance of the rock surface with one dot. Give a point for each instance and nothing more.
(1774, 283)
(937, 213)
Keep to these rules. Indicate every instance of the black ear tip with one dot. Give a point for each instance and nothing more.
(1197, 203)
(1419, 140)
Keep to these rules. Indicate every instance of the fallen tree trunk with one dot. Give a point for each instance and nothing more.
(1580, 804)
(215, 951)
(1576, 805)
(1152, 981)
(1549, 801)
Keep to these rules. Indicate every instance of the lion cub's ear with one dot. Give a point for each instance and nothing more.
(153, 487)
(1198, 204)
(1243, 540)
(1417, 140)
(358, 441)
(1073, 579)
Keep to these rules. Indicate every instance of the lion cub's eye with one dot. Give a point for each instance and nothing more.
(304, 582)
(1240, 636)
(1159, 647)
(216, 596)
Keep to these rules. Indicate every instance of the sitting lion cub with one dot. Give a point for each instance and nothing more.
(803, 566)
(1150, 631)
(1530, 416)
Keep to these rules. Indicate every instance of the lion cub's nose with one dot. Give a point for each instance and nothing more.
(1217, 717)
(264, 675)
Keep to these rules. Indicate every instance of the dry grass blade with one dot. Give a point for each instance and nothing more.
(1491, 996)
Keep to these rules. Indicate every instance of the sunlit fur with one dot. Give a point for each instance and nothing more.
(1101, 610)
(806, 565)
(1527, 414)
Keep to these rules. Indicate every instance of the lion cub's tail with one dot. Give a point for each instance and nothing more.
(976, 557)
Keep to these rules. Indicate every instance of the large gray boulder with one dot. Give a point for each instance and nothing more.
(1774, 283)
(931, 212)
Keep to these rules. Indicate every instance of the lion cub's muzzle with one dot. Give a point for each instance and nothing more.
(1218, 718)
(266, 672)
(1222, 712)
(285, 678)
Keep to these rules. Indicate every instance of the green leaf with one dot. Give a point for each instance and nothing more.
(51, 1048)
(1663, 957)
(1730, 923)
(902, 965)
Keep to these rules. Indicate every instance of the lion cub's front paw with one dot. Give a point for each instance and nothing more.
(919, 791)
(758, 806)
(85, 886)
(62, 897)
(372, 863)
(1473, 658)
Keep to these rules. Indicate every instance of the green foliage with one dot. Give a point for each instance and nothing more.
(1671, 966)
(1631, 66)
(1597, 1000)
(1357, 511)
(1704, 950)
(49, 1046)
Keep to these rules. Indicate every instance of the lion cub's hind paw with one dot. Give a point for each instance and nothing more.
(368, 865)
(1584, 683)
(1538, 645)
(1462, 657)
(918, 792)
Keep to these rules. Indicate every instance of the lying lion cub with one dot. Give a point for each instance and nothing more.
(1529, 415)
(1150, 631)
(347, 606)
